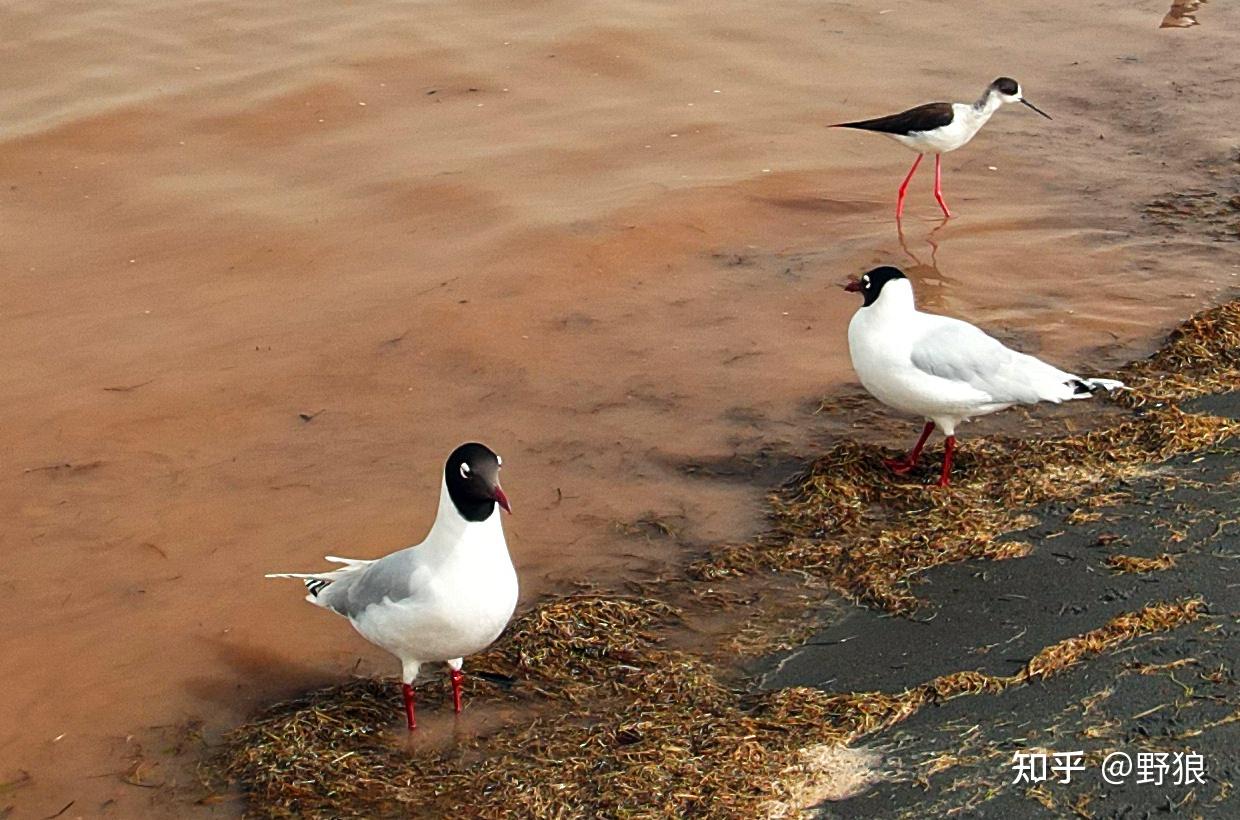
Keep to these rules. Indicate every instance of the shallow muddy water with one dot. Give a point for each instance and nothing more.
(265, 267)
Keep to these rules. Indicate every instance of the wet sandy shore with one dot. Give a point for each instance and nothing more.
(1165, 694)
(264, 267)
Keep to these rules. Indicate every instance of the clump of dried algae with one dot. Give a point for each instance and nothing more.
(618, 724)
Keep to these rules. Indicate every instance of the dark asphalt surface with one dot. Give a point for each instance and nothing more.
(994, 616)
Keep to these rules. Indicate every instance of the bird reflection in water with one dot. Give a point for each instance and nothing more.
(932, 284)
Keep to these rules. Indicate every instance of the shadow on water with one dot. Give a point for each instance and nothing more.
(250, 663)
(822, 204)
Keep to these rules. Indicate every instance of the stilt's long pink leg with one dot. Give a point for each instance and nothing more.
(945, 478)
(407, 690)
(457, 677)
(900, 466)
(938, 184)
(904, 186)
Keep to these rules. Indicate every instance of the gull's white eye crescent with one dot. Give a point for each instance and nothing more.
(499, 460)
(464, 470)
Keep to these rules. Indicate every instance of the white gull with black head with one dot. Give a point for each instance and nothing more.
(940, 368)
(449, 596)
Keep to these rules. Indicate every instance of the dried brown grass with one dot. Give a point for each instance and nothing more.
(1137, 564)
(660, 735)
(1200, 357)
(870, 534)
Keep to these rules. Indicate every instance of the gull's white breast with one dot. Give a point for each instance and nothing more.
(465, 596)
(881, 353)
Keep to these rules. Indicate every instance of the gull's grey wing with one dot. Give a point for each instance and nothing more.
(398, 577)
(958, 351)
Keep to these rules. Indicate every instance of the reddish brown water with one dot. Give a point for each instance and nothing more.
(605, 241)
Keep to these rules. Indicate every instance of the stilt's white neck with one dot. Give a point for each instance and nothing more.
(989, 103)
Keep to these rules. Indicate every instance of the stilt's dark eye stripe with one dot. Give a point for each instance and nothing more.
(1007, 85)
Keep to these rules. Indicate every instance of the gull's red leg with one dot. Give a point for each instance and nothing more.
(457, 677)
(902, 465)
(945, 478)
(407, 690)
(938, 184)
(904, 186)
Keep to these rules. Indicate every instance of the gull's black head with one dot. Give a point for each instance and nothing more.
(472, 475)
(870, 285)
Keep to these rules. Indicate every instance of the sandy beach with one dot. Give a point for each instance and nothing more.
(263, 266)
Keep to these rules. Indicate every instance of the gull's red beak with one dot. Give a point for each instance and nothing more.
(502, 499)
(853, 286)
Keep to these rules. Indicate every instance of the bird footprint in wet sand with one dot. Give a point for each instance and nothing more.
(943, 369)
(444, 599)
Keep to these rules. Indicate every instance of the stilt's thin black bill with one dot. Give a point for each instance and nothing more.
(1035, 108)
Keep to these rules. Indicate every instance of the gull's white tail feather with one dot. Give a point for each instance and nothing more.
(315, 581)
(335, 559)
